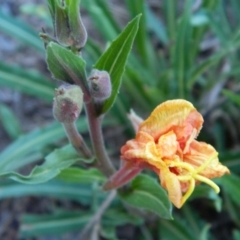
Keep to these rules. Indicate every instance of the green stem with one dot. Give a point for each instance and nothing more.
(76, 140)
(95, 128)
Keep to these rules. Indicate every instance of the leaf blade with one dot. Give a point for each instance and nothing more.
(146, 193)
(115, 57)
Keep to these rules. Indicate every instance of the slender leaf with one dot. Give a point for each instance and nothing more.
(10, 158)
(181, 57)
(142, 42)
(21, 31)
(55, 162)
(196, 71)
(146, 193)
(57, 224)
(26, 81)
(102, 16)
(156, 25)
(170, 7)
(115, 57)
(204, 235)
(175, 230)
(232, 96)
(78, 175)
(81, 193)
(123, 217)
(10, 122)
(231, 186)
(236, 235)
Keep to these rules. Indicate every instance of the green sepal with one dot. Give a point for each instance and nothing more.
(66, 66)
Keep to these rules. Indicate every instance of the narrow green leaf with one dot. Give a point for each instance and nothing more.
(115, 57)
(181, 56)
(81, 193)
(10, 122)
(108, 232)
(10, 158)
(204, 235)
(156, 25)
(170, 7)
(231, 186)
(102, 16)
(21, 31)
(175, 230)
(122, 218)
(55, 162)
(52, 7)
(78, 175)
(232, 96)
(196, 71)
(55, 225)
(236, 235)
(143, 45)
(146, 193)
(65, 65)
(26, 81)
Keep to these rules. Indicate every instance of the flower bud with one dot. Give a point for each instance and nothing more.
(100, 84)
(67, 103)
(68, 26)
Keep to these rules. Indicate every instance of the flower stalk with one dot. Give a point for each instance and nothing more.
(95, 129)
(76, 140)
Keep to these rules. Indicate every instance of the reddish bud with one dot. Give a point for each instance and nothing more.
(100, 84)
(67, 103)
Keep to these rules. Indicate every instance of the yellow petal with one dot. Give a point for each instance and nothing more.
(168, 145)
(199, 153)
(171, 183)
(170, 114)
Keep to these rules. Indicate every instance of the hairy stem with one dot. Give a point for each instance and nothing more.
(95, 128)
(76, 140)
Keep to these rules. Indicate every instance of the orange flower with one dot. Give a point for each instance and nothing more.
(165, 142)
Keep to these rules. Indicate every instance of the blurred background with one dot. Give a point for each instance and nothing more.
(183, 49)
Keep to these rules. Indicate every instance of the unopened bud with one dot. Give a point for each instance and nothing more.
(68, 26)
(78, 30)
(100, 84)
(67, 103)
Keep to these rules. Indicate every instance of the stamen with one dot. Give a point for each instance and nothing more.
(208, 181)
(184, 165)
(184, 178)
(189, 191)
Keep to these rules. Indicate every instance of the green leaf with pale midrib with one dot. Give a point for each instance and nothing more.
(57, 189)
(54, 226)
(115, 57)
(55, 162)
